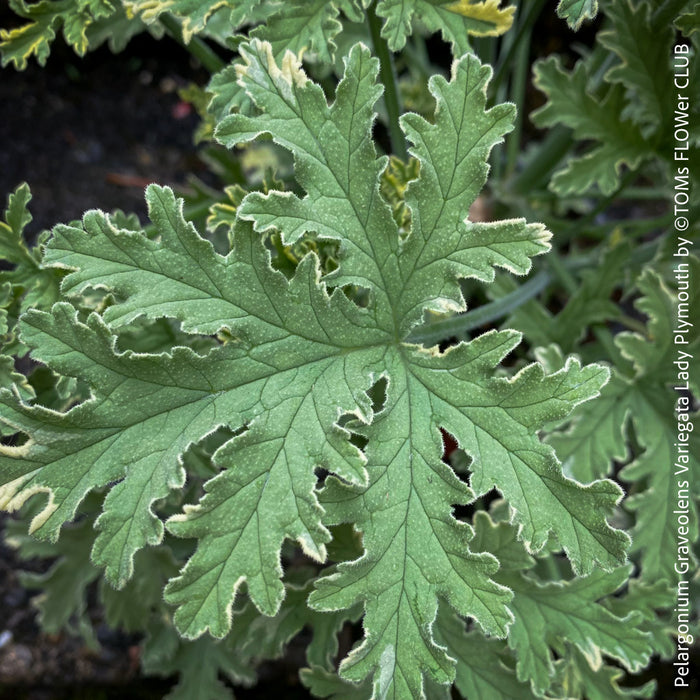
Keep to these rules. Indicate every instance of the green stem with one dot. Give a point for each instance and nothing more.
(457, 326)
(196, 46)
(387, 75)
(566, 279)
(506, 60)
(550, 151)
(602, 205)
(517, 95)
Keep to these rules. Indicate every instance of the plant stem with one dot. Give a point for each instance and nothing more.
(549, 152)
(566, 279)
(517, 95)
(387, 75)
(458, 325)
(505, 61)
(196, 46)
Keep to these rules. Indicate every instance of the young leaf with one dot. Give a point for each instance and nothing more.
(576, 11)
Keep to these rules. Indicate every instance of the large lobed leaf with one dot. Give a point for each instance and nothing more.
(297, 359)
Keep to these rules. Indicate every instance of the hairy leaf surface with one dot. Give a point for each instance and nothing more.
(290, 380)
(575, 12)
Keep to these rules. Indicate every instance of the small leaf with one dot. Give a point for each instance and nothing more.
(576, 11)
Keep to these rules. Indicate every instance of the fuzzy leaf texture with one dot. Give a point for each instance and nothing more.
(299, 356)
(575, 12)
(310, 27)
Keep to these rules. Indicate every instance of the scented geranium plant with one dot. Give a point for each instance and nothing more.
(328, 399)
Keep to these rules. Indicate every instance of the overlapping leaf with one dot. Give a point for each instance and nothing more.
(193, 14)
(554, 615)
(645, 64)
(37, 287)
(456, 20)
(76, 19)
(597, 437)
(312, 26)
(628, 115)
(618, 140)
(23, 287)
(299, 26)
(295, 361)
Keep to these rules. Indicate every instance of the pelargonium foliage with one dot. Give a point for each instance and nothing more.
(294, 379)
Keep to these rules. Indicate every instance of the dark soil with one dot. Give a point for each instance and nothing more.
(93, 132)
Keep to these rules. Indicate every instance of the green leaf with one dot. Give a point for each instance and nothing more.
(46, 17)
(62, 603)
(578, 679)
(561, 616)
(689, 22)
(193, 14)
(481, 671)
(256, 637)
(589, 304)
(288, 386)
(546, 613)
(596, 437)
(132, 608)
(576, 11)
(197, 663)
(326, 684)
(405, 568)
(647, 599)
(38, 287)
(644, 70)
(455, 19)
(620, 141)
(303, 27)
